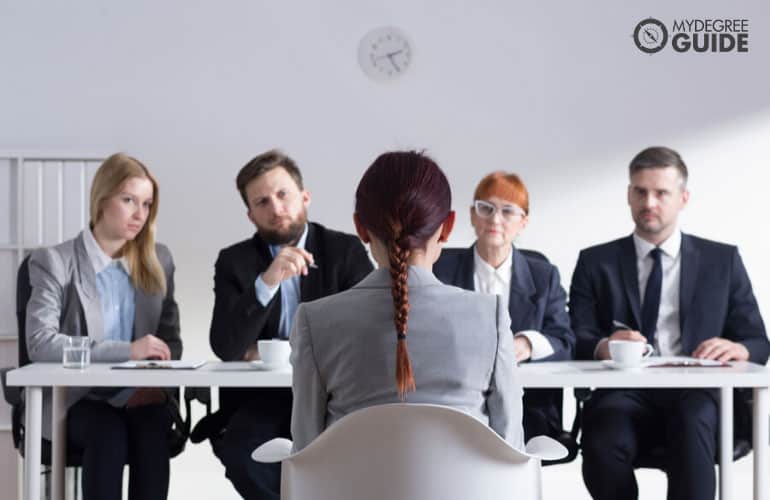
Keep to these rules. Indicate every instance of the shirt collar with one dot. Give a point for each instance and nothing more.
(486, 271)
(98, 258)
(670, 247)
(274, 249)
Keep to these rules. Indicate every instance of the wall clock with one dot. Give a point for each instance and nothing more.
(385, 53)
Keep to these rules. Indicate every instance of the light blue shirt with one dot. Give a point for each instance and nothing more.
(290, 293)
(116, 294)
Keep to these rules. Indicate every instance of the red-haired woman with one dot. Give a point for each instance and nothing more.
(400, 334)
(528, 284)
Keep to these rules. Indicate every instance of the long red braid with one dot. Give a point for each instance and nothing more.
(399, 288)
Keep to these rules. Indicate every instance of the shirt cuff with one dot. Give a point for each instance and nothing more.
(599, 344)
(541, 348)
(264, 293)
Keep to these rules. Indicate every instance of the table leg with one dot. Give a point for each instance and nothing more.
(58, 442)
(725, 442)
(33, 424)
(761, 441)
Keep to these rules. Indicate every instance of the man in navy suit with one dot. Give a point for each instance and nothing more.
(684, 295)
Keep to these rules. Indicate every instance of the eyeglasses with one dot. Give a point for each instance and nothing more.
(487, 210)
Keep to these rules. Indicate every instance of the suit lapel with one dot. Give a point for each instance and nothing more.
(628, 270)
(464, 273)
(687, 280)
(85, 285)
(520, 304)
(147, 309)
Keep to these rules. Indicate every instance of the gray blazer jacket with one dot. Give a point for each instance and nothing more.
(65, 301)
(459, 342)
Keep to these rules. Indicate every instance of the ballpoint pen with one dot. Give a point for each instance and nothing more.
(620, 325)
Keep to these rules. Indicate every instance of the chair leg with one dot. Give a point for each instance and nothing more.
(20, 478)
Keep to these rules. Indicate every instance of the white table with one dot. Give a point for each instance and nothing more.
(594, 374)
(35, 376)
(535, 375)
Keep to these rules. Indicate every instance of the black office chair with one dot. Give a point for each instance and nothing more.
(178, 434)
(655, 458)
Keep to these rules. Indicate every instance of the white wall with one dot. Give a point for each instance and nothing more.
(553, 90)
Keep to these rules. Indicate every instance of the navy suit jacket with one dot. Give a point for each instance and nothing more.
(537, 299)
(239, 320)
(715, 296)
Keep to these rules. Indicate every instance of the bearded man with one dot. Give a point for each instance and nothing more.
(258, 284)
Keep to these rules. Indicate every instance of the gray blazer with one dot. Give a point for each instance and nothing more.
(460, 346)
(65, 301)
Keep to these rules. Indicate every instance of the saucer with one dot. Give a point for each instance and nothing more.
(615, 366)
(262, 366)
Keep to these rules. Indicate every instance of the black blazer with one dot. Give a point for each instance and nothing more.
(239, 319)
(715, 296)
(537, 299)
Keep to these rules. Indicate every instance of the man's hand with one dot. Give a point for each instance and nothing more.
(721, 349)
(150, 347)
(603, 350)
(146, 396)
(251, 353)
(290, 262)
(523, 348)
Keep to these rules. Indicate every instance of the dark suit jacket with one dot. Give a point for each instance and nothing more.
(239, 319)
(715, 296)
(537, 299)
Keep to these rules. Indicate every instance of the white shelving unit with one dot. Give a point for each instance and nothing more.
(43, 201)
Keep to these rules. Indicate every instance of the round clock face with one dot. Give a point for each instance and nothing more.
(385, 53)
(650, 35)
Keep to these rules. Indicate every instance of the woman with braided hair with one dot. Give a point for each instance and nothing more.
(452, 347)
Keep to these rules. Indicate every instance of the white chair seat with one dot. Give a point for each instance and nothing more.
(410, 451)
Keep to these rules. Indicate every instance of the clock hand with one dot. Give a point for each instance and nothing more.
(388, 55)
(393, 61)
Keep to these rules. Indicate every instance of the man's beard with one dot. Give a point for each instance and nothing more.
(288, 236)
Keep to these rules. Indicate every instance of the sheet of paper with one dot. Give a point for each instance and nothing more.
(176, 364)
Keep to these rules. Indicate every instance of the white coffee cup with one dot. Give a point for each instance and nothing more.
(629, 353)
(274, 353)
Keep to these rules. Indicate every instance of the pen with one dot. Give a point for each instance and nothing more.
(620, 325)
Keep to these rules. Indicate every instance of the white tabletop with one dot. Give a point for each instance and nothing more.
(245, 374)
(215, 373)
(599, 374)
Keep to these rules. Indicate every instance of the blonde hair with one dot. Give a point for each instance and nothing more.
(146, 271)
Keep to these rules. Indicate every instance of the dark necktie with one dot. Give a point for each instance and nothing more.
(651, 303)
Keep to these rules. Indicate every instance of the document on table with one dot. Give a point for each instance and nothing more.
(679, 362)
(174, 364)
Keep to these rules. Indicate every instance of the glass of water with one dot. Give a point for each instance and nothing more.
(77, 352)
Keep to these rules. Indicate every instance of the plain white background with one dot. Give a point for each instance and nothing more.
(555, 91)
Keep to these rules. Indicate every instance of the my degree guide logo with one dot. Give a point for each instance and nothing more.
(693, 35)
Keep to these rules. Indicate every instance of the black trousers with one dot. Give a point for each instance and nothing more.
(542, 413)
(111, 437)
(621, 424)
(254, 423)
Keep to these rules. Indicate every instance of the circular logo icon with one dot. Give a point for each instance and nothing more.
(650, 35)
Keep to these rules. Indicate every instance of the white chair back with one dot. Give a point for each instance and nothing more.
(410, 451)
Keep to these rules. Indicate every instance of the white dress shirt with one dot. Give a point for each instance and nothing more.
(497, 281)
(668, 335)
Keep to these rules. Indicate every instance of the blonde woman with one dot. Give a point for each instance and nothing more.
(115, 285)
